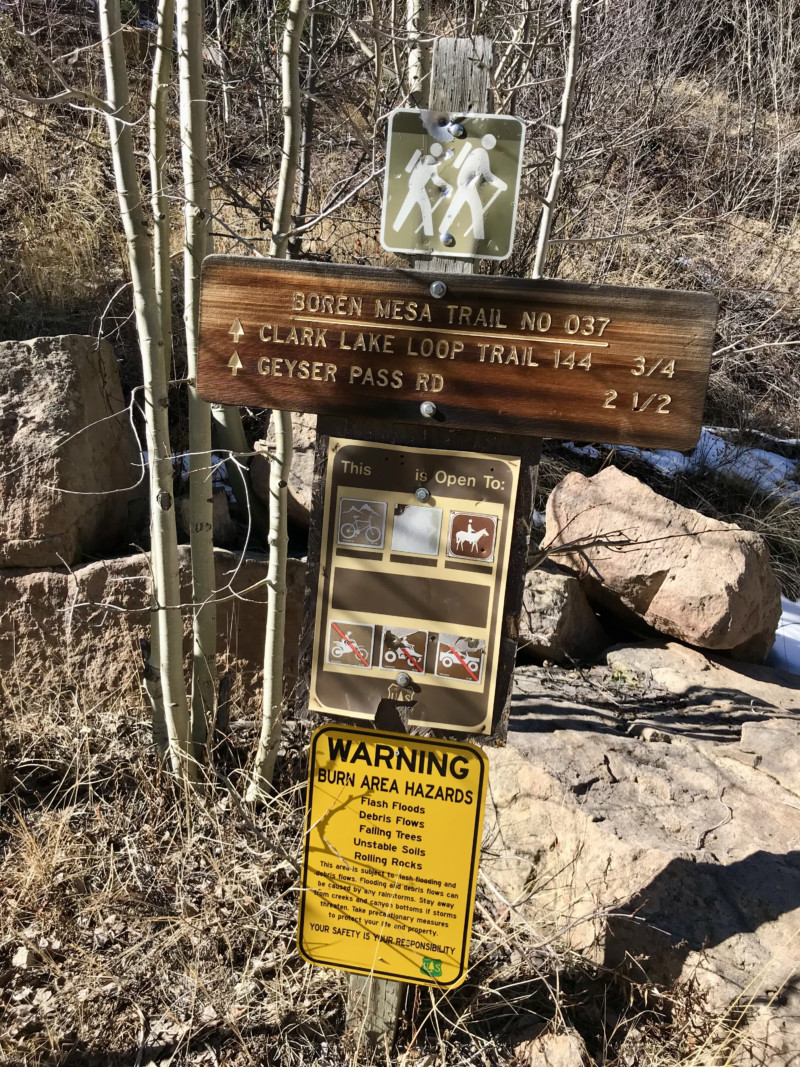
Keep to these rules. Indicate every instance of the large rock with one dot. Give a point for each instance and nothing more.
(82, 627)
(551, 1050)
(656, 848)
(301, 475)
(706, 582)
(699, 679)
(68, 452)
(557, 622)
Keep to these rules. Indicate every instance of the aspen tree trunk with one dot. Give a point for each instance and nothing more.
(376, 38)
(416, 21)
(279, 472)
(197, 214)
(223, 65)
(546, 221)
(151, 346)
(272, 700)
(292, 126)
(307, 130)
(159, 202)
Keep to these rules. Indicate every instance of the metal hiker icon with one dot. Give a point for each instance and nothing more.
(421, 170)
(451, 194)
(473, 172)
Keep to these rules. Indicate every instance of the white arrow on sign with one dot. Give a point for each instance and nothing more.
(235, 363)
(236, 331)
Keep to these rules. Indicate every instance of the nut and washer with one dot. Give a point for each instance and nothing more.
(422, 494)
(438, 289)
(427, 408)
(403, 680)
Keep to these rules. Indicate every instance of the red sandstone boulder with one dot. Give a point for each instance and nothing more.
(705, 582)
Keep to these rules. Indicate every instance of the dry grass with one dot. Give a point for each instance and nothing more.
(134, 932)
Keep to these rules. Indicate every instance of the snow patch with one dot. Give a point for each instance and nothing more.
(785, 653)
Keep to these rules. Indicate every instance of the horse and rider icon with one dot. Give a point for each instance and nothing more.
(472, 536)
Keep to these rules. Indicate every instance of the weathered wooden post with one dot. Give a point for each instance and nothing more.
(459, 83)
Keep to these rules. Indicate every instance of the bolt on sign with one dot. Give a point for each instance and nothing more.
(413, 564)
(451, 186)
(392, 841)
(544, 358)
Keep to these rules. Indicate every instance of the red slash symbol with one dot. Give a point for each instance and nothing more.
(464, 664)
(411, 660)
(355, 651)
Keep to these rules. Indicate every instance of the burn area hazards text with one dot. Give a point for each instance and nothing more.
(393, 829)
(393, 757)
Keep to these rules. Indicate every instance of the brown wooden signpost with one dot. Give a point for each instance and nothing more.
(548, 358)
(433, 388)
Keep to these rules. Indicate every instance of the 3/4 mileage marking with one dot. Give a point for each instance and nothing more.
(494, 354)
(660, 366)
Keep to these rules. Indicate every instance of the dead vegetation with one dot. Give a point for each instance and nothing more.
(132, 935)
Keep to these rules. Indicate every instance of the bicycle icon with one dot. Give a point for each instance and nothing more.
(349, 531)
(362, 523)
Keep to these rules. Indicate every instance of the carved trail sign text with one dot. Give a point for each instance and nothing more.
(548, 358)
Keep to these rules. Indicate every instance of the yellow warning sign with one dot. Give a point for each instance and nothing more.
(392, 842)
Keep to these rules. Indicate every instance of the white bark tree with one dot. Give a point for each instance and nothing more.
(197, 220)
(159, 203)
(272, 711)
(166, 579)
(416, 20)
(562, 133)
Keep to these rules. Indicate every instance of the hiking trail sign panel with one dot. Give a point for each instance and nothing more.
(451, 188)
(543, 358)
(392, 843)
(411, 590)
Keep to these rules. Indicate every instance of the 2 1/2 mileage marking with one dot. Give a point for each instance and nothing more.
(493, 354)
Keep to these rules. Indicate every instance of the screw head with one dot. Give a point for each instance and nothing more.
(403, 680)
(427, 408)
(448, 240)
(457, 130)
(422, 494)
(438, 289)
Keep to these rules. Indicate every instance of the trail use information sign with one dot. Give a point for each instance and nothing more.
(451, 188)
(393, 834)
(551, 359)
(412, 588)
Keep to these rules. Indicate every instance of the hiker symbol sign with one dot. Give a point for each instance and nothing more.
(451, 188)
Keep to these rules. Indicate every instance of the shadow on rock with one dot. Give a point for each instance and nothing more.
(693, 907)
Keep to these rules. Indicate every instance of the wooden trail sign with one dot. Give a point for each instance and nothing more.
(544, 358)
